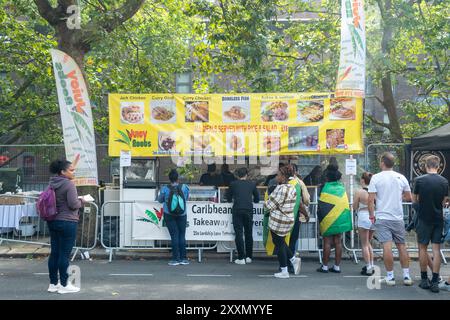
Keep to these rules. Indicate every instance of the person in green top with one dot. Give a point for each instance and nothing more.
(334, 217)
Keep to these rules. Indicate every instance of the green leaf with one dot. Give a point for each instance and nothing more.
(124, 136)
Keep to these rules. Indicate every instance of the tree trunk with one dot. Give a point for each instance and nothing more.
(391, 109)
(386, 82)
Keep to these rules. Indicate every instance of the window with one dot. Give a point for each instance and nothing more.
(183, 82)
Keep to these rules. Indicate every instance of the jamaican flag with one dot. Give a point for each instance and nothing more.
(267, 236)
(333, 210)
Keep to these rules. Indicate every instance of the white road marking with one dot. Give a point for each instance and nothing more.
(41, 274)
(132, 274)
(271, 276)
(361, 276)
(209, 275)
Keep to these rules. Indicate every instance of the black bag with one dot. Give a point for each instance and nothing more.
(176, 202)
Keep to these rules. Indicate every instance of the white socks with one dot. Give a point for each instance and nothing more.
(284, 269)
(337, 268)
(406, 273)
(390, 275)
(325, 267)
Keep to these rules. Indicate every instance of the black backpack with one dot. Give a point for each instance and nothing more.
(176, 202)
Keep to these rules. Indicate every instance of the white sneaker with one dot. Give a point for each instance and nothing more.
(282, 275)
(69, 288)
(54, 287)
(407, 281)
(389, 282)
(297, 263)
(444, 286)
(239, 261)
(248, 260)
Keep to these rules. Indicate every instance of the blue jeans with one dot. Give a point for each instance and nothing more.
(177, 230)
(63, 235)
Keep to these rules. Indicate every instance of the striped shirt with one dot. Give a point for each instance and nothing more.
(281, 205)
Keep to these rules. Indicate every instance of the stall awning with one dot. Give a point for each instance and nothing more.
(437, 139)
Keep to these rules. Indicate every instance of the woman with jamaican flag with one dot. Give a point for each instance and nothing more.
(334, 217)
(280, 207)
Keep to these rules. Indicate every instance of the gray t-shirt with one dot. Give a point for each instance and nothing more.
(389, 187)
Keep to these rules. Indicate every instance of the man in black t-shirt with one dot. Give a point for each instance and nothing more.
(211, 178)
(242, 191)
(431, 192)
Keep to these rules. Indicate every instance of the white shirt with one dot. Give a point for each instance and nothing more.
(389, 187)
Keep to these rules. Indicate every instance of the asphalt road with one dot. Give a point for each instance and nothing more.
(211, 279)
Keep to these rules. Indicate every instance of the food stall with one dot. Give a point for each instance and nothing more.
(193, 128)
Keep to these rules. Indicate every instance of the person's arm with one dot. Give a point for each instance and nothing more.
(255, 194)
(161, 195)
(371, 205)
(416, 191)
(356, 201)
(72, 198)
(306, 198)
(372, 189)
(229, 193)
(186, 192)
(407, 196)
(304, 212)
(406, 190)
(446, 202)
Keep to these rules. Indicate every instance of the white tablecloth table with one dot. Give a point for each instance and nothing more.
(10, 215)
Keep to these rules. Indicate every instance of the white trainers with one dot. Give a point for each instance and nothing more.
(407, 281)
(248, 260)
(444, 286)
(54, 287)
(69, 288)
(282, 275)
(297, 263)
(239, 261)
(389, 282)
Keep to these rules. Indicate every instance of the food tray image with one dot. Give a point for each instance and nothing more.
(310, 111)
(132, 112)
(197, 111)
(342, 109)
(274, 111)
(162, 111)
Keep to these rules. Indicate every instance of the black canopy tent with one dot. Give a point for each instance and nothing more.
(436, 142)
(437, 139)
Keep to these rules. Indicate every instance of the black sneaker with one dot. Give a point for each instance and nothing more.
(425, 284)
(322, 270)
(366, 272)
(434, 287)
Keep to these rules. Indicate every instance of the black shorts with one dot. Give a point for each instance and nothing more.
(429, 232)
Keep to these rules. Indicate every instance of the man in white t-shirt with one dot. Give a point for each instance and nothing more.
(388, 189)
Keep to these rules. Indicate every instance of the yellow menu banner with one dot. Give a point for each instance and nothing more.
(257, 124)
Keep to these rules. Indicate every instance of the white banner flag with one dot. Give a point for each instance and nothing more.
(352, 63)
(76, 117)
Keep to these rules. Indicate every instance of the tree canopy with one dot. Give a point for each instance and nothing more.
(228, 45)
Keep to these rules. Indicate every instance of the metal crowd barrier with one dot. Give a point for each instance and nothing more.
(111, 223)
(20, 223)
(352, 242)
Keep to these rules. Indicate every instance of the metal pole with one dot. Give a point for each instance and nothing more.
(74, 255)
